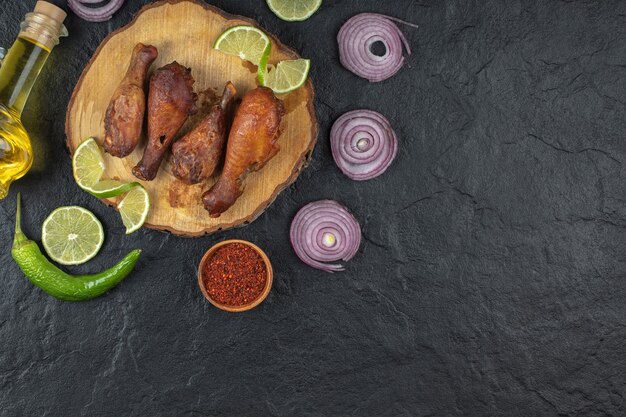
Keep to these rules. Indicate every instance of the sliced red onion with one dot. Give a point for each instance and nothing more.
(356, 38)
(95, 14)
(324, 231)
(363, 144)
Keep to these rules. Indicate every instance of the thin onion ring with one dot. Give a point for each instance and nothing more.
(309, 228)
(380, 147)
(95, 14)
(356, 38)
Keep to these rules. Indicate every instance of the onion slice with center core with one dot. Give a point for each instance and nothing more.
(324, 231)
(363, 144)
(356, 38)
(95, 14)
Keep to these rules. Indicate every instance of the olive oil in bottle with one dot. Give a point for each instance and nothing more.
(19, 70)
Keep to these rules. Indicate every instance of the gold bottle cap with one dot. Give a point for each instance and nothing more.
(50, 10)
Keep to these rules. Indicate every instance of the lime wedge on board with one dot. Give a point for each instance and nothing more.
(246, 42)
(134, 209)
(287, 76)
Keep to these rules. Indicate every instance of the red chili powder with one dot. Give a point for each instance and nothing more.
(235, 275)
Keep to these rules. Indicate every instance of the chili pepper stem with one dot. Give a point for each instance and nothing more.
(19, 239)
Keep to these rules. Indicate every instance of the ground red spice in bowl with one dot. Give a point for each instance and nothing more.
(235, 275)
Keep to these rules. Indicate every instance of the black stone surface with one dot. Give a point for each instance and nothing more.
(490, 281)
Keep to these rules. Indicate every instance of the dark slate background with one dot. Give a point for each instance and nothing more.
(490, 281)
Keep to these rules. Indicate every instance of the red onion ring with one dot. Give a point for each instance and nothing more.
(95, 14)
(363, 144)
(356, 38)
(325, 231)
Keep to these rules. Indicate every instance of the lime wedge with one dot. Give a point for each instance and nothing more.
(72, 235)
(88, 164)
(88, 167)
(287, 76)
(246, 42)
(262, 70)
(294, 10)
(134, 209)
(110, 188)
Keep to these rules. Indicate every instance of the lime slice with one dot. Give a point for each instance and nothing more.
(72, 235)
(110, 188)
(246, 42)
(288, 75)
(134, 209)
(294, 10)
(88, 164)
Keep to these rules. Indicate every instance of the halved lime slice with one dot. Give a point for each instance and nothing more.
(246, 42)
(294, 10)
(134, 209)
(287, 76)
(88, 164)
(72, 235)
(110, 188)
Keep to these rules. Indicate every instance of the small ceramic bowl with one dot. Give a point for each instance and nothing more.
(268, 281)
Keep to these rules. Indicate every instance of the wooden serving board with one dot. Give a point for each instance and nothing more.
(184, 30)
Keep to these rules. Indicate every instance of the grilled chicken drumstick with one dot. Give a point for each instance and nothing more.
(124, 116)
(251, 144)
(170, 102)
(197, 154)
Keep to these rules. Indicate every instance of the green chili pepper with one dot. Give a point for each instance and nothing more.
(57, 283)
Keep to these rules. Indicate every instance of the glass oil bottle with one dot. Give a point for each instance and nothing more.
(19, 69)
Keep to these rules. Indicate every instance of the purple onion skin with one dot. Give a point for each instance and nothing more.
(309, 226)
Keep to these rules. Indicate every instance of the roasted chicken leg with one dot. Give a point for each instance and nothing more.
(251, 144)
(124, 116)
(197, 154)
(170, 102)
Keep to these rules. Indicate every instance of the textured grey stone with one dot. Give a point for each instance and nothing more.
(491, 276)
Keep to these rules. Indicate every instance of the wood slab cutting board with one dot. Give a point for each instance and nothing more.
(184, 30)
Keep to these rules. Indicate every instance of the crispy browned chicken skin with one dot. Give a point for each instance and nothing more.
(124, 116)
(170, 102)
(199, 152)
(251, 144)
